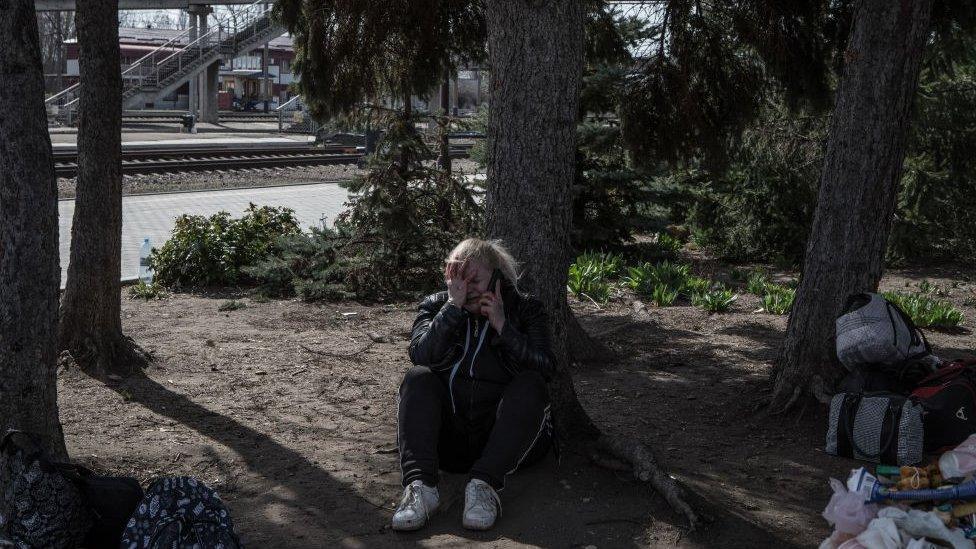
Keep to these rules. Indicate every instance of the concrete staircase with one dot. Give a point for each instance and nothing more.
(162, 71)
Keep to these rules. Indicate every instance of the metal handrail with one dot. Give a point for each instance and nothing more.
(65, 91)
(289, 102)
(168, 44)
(281, 111)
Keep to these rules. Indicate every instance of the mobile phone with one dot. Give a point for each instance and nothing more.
(496, 277)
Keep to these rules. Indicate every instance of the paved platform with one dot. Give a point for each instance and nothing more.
(154, 216)
(71, 139)
(153, 126)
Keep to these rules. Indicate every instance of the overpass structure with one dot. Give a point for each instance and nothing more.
(193, 56)
(69, 5)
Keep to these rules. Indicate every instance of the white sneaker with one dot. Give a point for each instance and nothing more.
(481, 505)
(418, 504)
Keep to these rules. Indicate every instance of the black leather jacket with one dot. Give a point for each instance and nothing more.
(439, 335)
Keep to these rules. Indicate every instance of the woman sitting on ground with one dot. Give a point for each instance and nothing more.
(475, 400)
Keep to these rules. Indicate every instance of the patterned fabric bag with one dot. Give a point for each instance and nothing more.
(180, 513)
(41, 507)
(880, 427)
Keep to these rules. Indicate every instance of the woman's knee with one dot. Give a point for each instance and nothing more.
(529, 384)
(418, 378)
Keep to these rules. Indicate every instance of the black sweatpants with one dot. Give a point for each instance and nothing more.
(431, 437)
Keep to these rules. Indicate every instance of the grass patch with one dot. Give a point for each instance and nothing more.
(147, 291)
(231, 305)
(928, 288)
(926, 311)
(778, 300)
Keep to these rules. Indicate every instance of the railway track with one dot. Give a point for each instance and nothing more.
(183, 159)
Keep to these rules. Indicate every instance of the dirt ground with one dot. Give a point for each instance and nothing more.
(288, 410)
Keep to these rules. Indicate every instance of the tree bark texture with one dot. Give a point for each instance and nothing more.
(858, 187)
(536, 55)
(535, 51)
(91, 327)
(30, 274)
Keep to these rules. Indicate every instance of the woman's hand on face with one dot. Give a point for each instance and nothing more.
(493, 307)
(457, 283)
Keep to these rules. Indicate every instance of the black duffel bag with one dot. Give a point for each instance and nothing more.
(110, 501)
(949, 399)
(53, 504)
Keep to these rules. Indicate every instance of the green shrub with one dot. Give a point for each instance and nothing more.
(759, 206)
(718, 301)
(611, 200)
(589, 274)
(404, 216)
(210, 251)
(695, 285)
(666, 245)
(308, 265)
(925, 311)
(607, 264)
(663, 295)
(936, 216)
(645, 276)
(141, 290)
(738, 275)
(778, 300)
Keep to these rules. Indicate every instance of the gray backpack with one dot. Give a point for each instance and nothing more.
(873, 331)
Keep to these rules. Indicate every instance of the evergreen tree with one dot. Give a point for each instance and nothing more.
(610, 195)
(349, 53)
(404, 217)
(405, 213)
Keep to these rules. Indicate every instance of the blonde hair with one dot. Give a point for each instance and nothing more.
(490, 252)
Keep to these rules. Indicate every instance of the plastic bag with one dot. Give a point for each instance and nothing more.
(846, 511)
(921, 524)
(959, 462)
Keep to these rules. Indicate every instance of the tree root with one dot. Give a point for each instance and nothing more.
(645, 468)
(583, 347)
(818, 387)
(119, 355)
(797, 391)
(610, 462)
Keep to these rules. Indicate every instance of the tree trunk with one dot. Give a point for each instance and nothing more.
(535, 53)
(858, 188)
(444, 160)
(30, 274)
(535, 49)
(91, 327)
